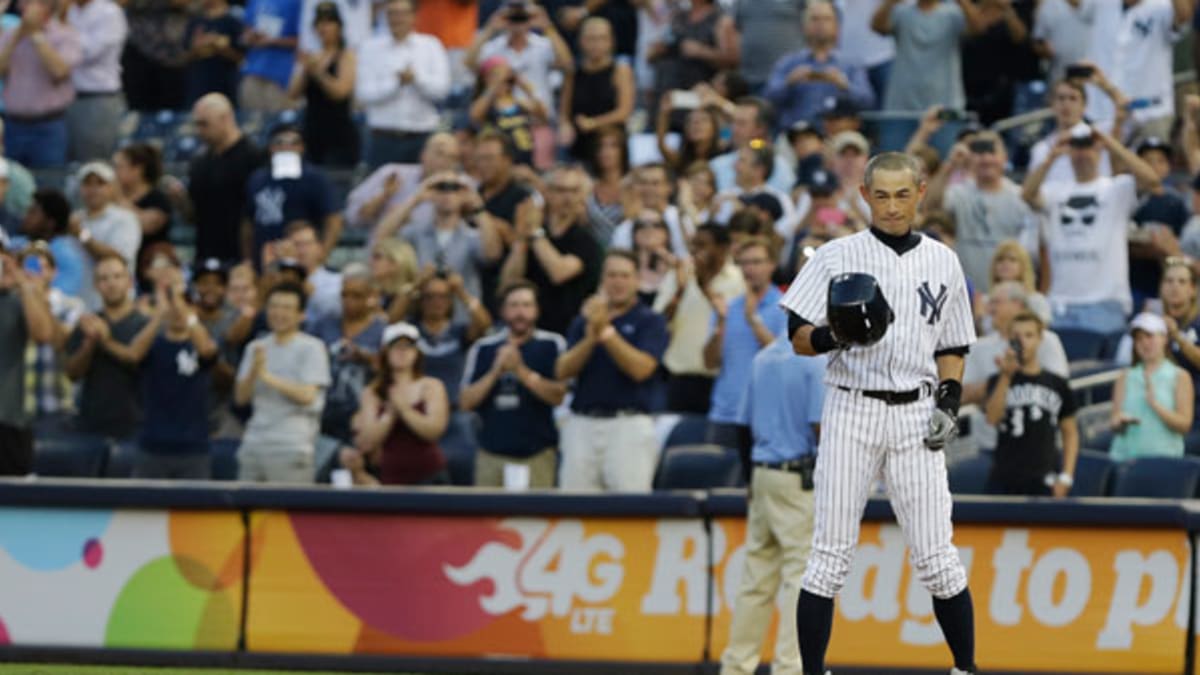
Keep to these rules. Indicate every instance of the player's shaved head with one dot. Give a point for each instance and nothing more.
(893, 161)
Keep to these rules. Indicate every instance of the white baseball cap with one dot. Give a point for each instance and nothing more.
(401, 329)
(1149, 323)
(100, 170)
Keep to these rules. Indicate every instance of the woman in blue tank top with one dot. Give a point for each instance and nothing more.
(1153, 400)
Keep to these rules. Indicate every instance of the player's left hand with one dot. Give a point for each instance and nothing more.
(942, 429)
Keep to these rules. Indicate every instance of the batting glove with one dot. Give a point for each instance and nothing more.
(943, 425)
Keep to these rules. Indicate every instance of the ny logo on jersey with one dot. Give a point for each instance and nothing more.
(931, 305)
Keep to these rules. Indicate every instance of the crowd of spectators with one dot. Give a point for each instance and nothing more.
(516, 231)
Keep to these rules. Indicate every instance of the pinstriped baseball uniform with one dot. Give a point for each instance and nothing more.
(862, 436)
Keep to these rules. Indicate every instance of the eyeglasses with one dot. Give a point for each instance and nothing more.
(447, 186)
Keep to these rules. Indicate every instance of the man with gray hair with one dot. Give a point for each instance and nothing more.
(987, 210)
(1006, 301)
(352, 337)
(801, 82)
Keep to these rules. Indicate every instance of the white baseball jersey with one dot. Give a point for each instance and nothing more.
(862, 437)
(927, 292)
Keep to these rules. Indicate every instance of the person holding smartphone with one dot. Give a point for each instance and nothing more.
(1152, 399)
(1030, 407)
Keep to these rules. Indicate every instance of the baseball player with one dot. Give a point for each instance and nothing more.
(890, 308)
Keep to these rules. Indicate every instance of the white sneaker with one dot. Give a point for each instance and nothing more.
(956, 671)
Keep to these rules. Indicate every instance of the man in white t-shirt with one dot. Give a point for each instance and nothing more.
(753, 168)
(863, 46)
(652, 187)
(1143, 59)
(1085, 230)
(1068, 101)
(510, 33)
(1062, 33)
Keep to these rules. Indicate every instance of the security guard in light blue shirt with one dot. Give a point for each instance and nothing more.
(782, 408)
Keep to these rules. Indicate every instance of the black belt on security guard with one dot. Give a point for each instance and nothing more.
(803, 466)
(893, 397)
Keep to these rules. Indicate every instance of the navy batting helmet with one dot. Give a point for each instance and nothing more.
(858, 313)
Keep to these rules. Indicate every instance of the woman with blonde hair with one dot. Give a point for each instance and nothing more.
(393, 265)
(1011, 262)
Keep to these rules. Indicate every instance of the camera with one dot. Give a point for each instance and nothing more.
(517, 11)
(1079, 71)
(982, 146)
(1017, 349)
(951, 115)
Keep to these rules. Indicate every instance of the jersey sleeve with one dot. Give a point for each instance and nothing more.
(808, 294)
(1069, 406)
(958, 330)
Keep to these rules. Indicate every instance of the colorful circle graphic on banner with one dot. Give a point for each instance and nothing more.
(48, 540)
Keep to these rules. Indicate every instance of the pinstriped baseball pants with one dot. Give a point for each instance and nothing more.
(860, 439)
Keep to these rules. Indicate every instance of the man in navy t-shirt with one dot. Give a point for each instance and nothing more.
(509, 379)
(609, 443)
(176, 363)
(287, 190)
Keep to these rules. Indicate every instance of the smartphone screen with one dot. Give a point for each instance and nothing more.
(33, 265)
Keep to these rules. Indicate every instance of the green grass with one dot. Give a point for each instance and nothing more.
(39, 669)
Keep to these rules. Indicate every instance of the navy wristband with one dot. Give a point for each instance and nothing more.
(949, 396)
(822, 340)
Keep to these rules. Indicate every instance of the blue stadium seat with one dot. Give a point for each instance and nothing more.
(458, 445)
(69, 455)
(120, 460)
(968, 476)
(699, 467)
(690, 430)
(224, 458)
(1159, 477)
(1083, 345)
(1093, 474)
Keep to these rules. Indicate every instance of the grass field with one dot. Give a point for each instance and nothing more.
(39, 669)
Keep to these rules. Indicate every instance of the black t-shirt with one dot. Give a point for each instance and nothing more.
(155, 199)
(217, 186)
(504, 203)
(214, 73)
(1026, 446)
(559, 304)
(109, 395)
(1170, 210)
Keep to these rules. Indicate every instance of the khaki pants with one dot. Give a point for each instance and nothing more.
(778, 536)
(489, 468)
(258, 464)
(258, 94)
(608, 453)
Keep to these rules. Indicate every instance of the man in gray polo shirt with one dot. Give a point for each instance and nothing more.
(284, 375)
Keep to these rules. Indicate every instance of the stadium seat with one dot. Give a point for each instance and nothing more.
(1093, 474)
(224, 458)
(699, 467)
(458, 445)
(119, 463)
(1094, 428)
(69, 456)
(968, 476)
(690, 430)
(1158, 477)
(1082, 345)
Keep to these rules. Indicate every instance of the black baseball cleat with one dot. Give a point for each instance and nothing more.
(956, 671)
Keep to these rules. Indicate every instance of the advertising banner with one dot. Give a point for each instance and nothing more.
(151, 579)
(1046, 599)
(548, 588)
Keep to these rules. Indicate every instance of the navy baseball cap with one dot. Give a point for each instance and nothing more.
(823, 183)
(765, 201)
(840, 107)
(210, 266)
(801, 127)
(1154, 143)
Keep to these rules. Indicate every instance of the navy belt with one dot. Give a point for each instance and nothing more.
(892, 397)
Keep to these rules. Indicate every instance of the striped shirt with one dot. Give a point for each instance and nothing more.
(926, 290)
